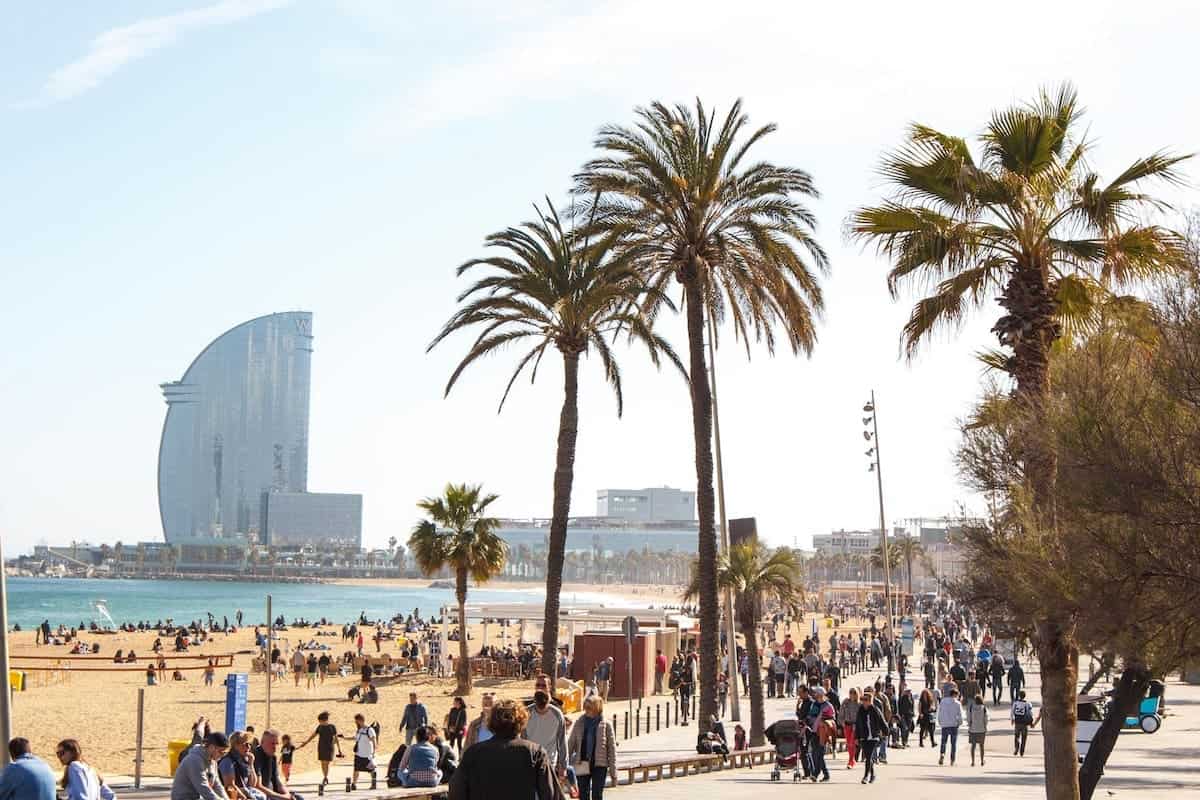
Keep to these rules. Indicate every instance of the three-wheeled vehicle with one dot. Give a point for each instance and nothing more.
(1090, 709)
(1149, 714)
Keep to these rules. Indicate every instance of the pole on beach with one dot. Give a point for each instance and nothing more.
(6, 699)
(732, 666)
(270, 665)
(137, 759)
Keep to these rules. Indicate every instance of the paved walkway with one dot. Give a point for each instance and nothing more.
(1164, 764)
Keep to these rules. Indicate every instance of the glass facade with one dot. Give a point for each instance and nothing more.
(236, 430)
(320, 519)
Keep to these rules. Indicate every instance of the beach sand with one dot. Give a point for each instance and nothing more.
(100, 708)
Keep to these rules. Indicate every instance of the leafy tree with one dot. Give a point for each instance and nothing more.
(907, 549)
(555, 289)
(757, 576)
(458, 535)
(1029, 222)
(1127, 432)
(687, 205)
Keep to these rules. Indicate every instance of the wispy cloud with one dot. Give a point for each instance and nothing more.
(117, 47)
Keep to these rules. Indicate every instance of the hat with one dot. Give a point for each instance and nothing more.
(217, 739)
(817, 690)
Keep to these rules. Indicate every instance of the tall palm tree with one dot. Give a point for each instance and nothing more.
(459, 536)
(756, 575)
(551, 288)
(678, 190)
(910, 550)
(1027, 223)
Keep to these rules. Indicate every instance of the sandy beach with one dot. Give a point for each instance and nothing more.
(100, 708)
(639, 594)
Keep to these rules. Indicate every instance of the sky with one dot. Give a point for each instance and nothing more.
(173, 168)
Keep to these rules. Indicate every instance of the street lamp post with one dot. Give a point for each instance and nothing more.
(734, 704)
(6, 697)
(873, 435)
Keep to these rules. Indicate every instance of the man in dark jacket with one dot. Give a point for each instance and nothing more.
(505, 767)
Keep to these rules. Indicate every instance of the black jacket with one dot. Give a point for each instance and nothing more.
(504, 769)
(870, 723)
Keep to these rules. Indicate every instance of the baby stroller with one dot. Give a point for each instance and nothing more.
(787, 736)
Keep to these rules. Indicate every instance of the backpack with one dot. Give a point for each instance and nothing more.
(1023, 714)
(375, 726)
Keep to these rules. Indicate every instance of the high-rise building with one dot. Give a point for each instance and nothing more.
(236, 432)
(659, 504)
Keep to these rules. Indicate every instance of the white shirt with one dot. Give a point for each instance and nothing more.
(364, 742)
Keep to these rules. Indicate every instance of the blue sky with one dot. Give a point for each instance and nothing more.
(174, 168)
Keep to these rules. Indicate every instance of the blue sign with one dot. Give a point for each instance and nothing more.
(237, 685)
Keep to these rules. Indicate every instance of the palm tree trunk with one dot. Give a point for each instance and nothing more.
(746, 618)
(564, 477)
(705, 498)
(1031, 329)
(463, 668)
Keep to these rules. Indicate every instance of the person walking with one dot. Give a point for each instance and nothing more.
(365, 744)
(926, 713)
(604, 674)
(906, 710)
(415, 716)
(79, 780)
(1021, 715)
(977, 725)
(328, 739)
(478, 730)
(547, 726)
(949, 718)
(27, 777)
(686, 684)
(660, 671)
(996, 671)
(1016, 680)
(592, 749)
(869, 729)
(506, 766)
(456, 724)
(848, 716)
(817, 723)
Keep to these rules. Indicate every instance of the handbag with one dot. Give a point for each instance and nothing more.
(582, 768)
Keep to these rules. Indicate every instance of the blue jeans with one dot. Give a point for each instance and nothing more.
(952, 735)
(881, 753)
(591, 787)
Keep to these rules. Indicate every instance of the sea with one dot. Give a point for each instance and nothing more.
(71, 601)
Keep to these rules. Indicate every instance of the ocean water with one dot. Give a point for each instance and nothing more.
(73, 600)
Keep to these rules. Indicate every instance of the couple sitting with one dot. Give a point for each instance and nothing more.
(425, 763)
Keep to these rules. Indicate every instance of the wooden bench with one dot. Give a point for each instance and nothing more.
(752, 755)
(693, 762)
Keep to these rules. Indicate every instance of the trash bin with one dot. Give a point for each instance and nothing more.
(175, 750)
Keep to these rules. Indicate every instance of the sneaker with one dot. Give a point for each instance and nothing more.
(981, 762)
(864, 780)
(872, 777)
(941, 760)
(825, 779)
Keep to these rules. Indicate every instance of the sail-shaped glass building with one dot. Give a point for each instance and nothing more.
(236, 434)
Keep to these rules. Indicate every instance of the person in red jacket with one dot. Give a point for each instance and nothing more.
(660, 670)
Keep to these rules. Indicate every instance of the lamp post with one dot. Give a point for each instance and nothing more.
(734, 704)
(872, 421)
(5, 688)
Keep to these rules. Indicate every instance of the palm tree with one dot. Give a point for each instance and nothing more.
(756, 575)
(457, 535)
(910, 550)
(1029, 224)
(552, 288)
(677, 189)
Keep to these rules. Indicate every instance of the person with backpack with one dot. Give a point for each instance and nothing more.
(366, 739)
(1021, 715)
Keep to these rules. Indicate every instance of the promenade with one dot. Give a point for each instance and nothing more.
(1164, 764)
